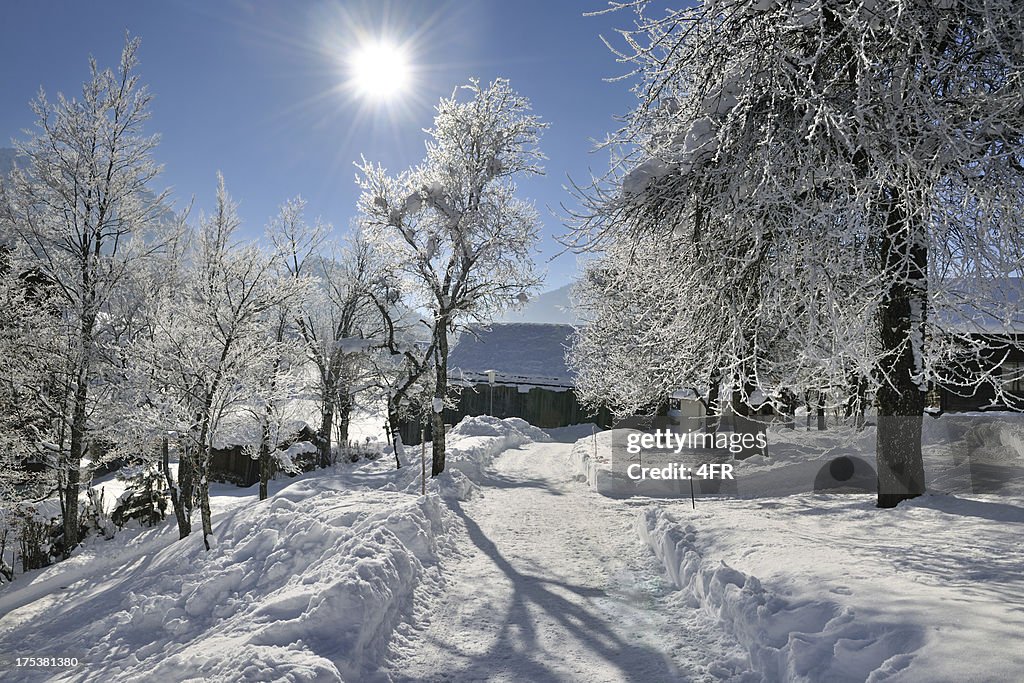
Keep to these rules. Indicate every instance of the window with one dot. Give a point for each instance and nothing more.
(1013, 377)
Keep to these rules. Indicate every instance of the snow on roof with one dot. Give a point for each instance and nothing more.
(518, 353)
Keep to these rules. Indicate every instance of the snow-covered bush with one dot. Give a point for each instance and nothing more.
(144, 500)
(39, 538)
(95, 519)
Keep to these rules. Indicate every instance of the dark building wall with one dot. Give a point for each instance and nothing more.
(231, 465)
(540, 407)
(968, 395)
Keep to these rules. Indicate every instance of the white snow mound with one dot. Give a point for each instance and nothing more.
(474, 442)
(309, 585)
(800, 641)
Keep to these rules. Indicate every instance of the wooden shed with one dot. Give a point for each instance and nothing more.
(233, 464)
(993, 339)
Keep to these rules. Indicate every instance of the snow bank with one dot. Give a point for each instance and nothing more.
(470, 447)
(965, 453)
(801, 640)
(591, 458)
(309, 585)
(473, 443)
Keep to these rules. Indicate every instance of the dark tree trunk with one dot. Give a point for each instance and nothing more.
(821, 411)
(181, 493)
(69, 498)
(343, 409)
(440, 391)
(901, 394)
(745, 420)
(394, 430)
(325, 434)
(265, 463)
(789, 408)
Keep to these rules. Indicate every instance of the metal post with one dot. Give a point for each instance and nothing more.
(491, 374)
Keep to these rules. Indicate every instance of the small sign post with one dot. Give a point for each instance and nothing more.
(490, 381)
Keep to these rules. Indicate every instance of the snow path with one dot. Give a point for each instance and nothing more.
(552, 584)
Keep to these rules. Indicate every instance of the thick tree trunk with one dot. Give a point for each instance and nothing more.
(73, 472)
(821, 411)
(901, 391)
(440, 392)
(325, 434)
(181, 494)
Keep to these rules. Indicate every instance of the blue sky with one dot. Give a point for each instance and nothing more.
(255, 89)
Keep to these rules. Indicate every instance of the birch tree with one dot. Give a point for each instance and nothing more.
(850, 169)
(453, 227)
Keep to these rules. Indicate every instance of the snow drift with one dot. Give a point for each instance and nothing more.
(470, 447)
(477, 440)
(308, 585)
(807, 640)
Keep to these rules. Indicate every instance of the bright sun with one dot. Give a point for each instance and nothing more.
(379, 70)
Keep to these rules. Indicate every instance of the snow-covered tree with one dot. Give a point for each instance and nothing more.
(402, 363)
(213, 346)
(334, 318)
(32, 388)
(847, 177)
(85, 216)
(453, 226)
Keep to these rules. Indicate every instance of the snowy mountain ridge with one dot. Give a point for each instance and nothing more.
(555, 306)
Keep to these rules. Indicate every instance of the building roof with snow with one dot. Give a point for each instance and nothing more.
(520, 354)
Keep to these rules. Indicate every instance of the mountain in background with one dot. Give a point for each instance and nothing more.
(550, 307)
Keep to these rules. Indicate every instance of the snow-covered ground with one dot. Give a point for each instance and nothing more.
(551, 583)
(311, 584)
(515, 567)
(821, 586)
